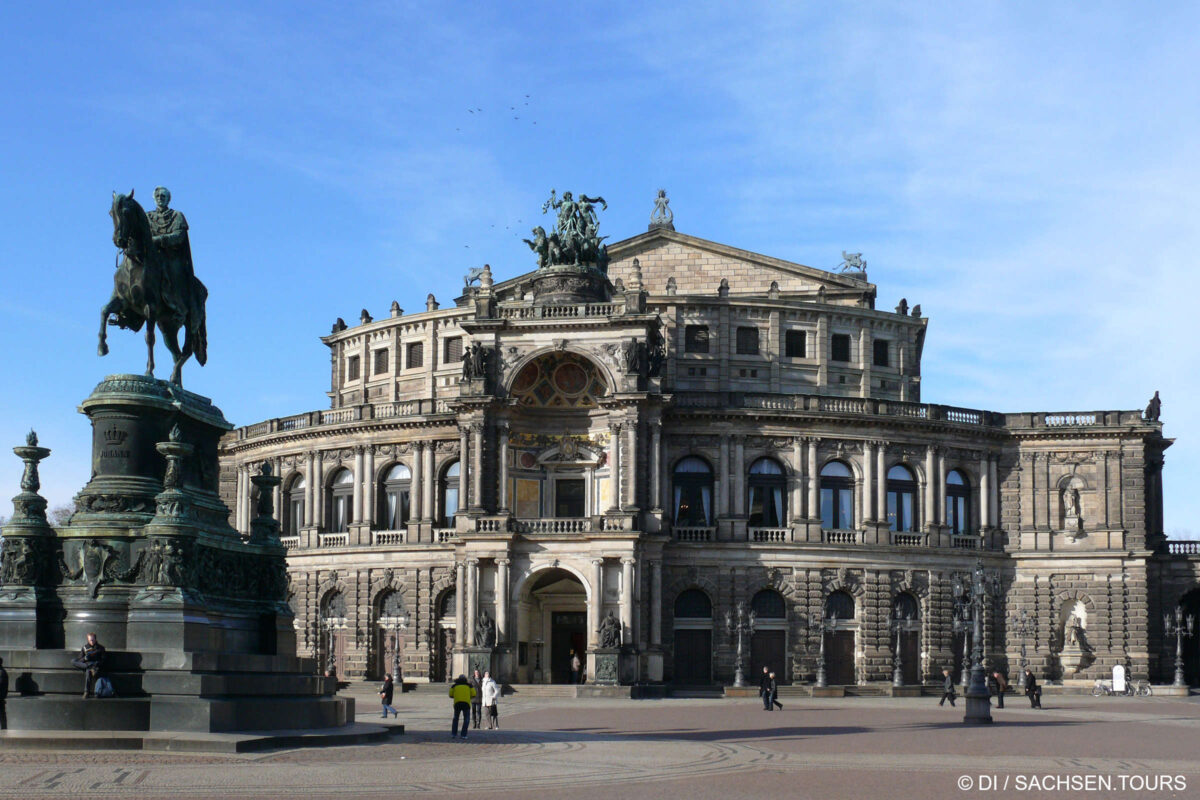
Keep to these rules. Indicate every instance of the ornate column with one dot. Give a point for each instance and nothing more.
(868, 481)
(993, 466)
(319, 491)
(368, 484)
(797, 479)
(240, 493)
(472, 598)
(595, 602)
(881, 481)
(739, 475)
(626, 600)
(814, 480)
(722, 482)
(502, 432)
(310, 484)
(631, 468)
(460, 589)
(614, 430)
(465, 467)
(430, 481)
(656, 604)
(931, 510)
(358, 484)
(985, 493)
(941, 487)
(418, 475)
(502, 565)
(477, 466)
(656, 500)
(277, 492)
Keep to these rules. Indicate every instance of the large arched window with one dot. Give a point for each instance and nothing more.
(450, 492)
(901, 499)
(768, 604)
(767, 504)
(837, 496)
(397, 491)
(958, 502)
(839, 605)
(693, 604)
(293, 517)
(341, 496)
(905, 607)
(693, 480)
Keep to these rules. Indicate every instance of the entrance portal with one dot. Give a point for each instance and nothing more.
(552, 624)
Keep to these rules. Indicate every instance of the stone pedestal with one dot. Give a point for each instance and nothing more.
(195, 619)
(607, 669)
(478, 658)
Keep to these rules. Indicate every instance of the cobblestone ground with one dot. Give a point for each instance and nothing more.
(693, 749)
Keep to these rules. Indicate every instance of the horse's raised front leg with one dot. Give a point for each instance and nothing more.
(150, 348)
(108, 309)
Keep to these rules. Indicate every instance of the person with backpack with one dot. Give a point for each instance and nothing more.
(385, 695)
(91, 659)
(461, 694)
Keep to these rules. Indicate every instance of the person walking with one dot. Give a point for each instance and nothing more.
(948, 692)
(576, 667)
(998, 686)
(385, 696)
(476, 698)
(773, 692)
(91, 658)
(461, 694)
(491, 697)
(1032, 690)
(764, 688)
(3, 696)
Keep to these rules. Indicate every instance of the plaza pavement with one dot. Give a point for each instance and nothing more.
(579, 749)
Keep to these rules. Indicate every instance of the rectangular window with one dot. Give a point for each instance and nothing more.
(352, 368)
(569, 496)
(839, 347)
(416, 355)
(452, 354)
(747, 341)
(795, 344)
(695, 339)
(381, 361)
(881, 352)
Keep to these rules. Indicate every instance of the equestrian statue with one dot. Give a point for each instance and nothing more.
(154, 285)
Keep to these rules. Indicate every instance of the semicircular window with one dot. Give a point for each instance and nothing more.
(693, 604)
(768, 604)
(839, 605)
(559, 380)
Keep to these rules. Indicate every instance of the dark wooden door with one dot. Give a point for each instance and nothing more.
(443, 661)
(767, 649)
(339, 653)
(910, 653)
(839, 658)
(693, 657)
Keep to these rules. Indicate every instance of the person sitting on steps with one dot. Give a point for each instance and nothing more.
(91, 659)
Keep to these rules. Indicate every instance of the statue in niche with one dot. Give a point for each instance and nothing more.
(1074, 631)
(485, 630)
(610, 631)
(1070, 499)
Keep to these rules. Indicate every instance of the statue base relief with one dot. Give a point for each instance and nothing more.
(194, 618)
(607, 669)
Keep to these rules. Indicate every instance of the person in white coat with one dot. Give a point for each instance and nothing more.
(491, 697)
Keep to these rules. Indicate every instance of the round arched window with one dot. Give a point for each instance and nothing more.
(693, 485)
(905, 607)
(766, 499)
(341, 497)
(450, 490)
(768, 604)
(958, 502)
(396, 496)
(693, 604)
(839, 605)
(837, 496)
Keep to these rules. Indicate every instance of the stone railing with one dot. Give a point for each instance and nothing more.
(388, 537)
(965, 542)
(1060, 420)
(835, 405)
(840, 537)
(1183, 548)
(333, 540)
(491, 524)
(290, 542)
(553, 525)
(293, 423)
(339, 416)
(908, 539)
(404, 408)
(685, 533)
(444, 535)
(564, 311)
(769, 534)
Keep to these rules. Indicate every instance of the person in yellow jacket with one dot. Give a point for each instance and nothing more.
(461, 692)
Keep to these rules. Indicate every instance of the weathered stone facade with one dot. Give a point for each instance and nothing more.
(722, 428)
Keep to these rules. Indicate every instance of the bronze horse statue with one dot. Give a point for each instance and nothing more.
(152, 288)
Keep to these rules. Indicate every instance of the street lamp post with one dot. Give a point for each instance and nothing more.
(744, 625)
(898, 625)
(1180, 627)
(399, 623)
(1021, 624)
(979, 704)
(963, 613)
(819, 625)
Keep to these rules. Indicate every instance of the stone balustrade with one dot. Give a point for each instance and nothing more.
(694, 534)
(333, 540)
(769, 534)
(388, 537)
(1183, 548)
(554, 525)
(841, 536)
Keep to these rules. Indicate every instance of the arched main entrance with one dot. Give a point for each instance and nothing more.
(333, 630)
(768, 644)
(1191, 646)
(551, 626)
(839, 639)
(693, 638)
(391, 622)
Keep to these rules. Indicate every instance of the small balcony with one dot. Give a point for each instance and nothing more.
(687, 533)
(770, 535)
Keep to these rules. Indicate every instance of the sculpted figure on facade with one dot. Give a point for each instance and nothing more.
(1154, 408)
(610, 631)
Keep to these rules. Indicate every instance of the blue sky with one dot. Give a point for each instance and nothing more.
(1028, 172)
